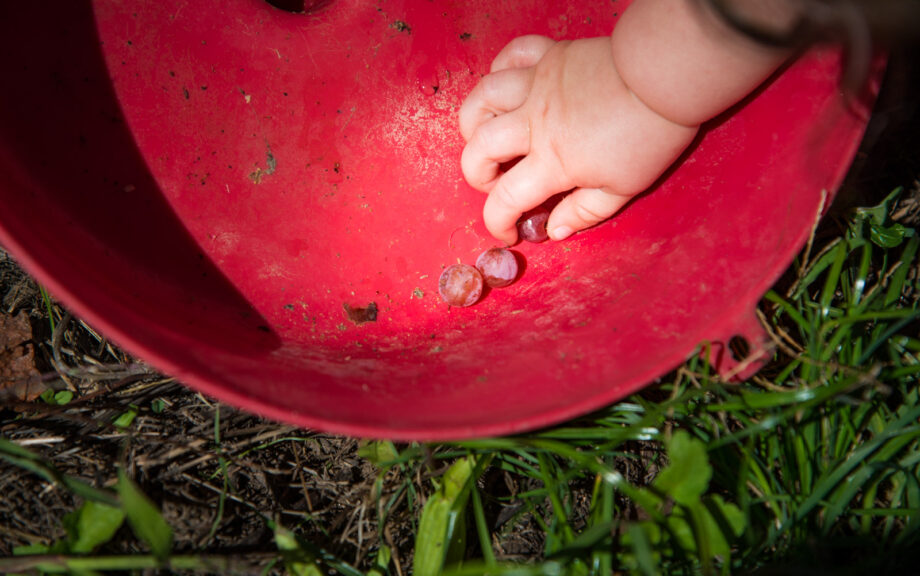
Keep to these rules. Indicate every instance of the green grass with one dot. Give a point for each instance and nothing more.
(812, 464)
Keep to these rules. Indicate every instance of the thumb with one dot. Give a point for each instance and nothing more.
(583, 208)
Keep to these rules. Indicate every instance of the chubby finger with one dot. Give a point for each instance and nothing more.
(525, 186)
(522, 52)
(496, 94)
(498, 140)
(581, 209)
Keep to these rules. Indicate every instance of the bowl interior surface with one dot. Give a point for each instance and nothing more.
(212, 186)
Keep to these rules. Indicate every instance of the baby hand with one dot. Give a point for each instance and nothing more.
(563, 110)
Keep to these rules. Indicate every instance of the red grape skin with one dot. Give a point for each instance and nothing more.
(498, 266)
(460, 285)
(532, 225)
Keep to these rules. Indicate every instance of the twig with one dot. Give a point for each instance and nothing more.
(784, 342)
(39, 441)
(57, 339)
(388, 536)
(811, 235)
(242, 501)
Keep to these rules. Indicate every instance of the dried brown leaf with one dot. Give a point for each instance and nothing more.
(18, 376)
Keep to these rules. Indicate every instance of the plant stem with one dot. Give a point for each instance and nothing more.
(60, 564)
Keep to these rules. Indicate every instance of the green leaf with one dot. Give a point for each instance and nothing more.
(878, 214)
(296, 559)
(687, 475)
(31, 549)
(431, 543)
(94, 524)
(443, 520)
(381, 562)
(719, 529)
(729, 516)
(146, 521)
(56, 397)
(380, 453)
(642, 550)
(881, 231)
(642, 545)
(594, 537)
(888, 236)
(285, 539)
(679, 526)
(126, 418)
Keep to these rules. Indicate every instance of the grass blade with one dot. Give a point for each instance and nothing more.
(146, 521)
(857, 458)
(441, 524)
(27, 460)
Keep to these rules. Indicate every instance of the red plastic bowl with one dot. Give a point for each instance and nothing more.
(210, 184)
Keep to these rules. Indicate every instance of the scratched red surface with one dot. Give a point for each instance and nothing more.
(211, 184)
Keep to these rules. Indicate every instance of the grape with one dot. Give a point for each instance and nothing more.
(498, 266)
(532, 225)
(460, 285)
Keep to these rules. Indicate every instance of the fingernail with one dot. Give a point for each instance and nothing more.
(561, 232)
